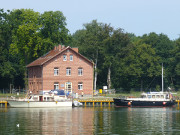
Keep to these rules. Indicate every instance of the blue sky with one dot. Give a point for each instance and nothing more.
(134, 16)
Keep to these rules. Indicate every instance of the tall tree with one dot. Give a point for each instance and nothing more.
(138, 62)
(53, 29)
(26, 40)
(90, 43)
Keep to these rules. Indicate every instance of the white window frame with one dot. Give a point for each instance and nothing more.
(56, 86)
(64, 57)
(68, 71)
(68, 86)
(80, 85)
(56, 71)
(71, 57)
(80, 71)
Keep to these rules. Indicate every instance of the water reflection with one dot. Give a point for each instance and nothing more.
(89, 120)
(47, 121)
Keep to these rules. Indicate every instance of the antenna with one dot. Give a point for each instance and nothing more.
(162, 79)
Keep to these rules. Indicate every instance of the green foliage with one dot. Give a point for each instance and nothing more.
(132, 62)
(24, 38)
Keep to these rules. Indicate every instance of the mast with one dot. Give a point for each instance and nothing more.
(162, 79)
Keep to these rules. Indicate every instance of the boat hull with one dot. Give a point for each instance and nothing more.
(130, 103)
(39, 104)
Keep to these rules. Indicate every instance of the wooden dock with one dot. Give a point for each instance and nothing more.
(96, 102)
(3, 102)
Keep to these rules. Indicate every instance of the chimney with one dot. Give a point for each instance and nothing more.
(55, 47)
(59, 47)
(75, 49)
(63, 46)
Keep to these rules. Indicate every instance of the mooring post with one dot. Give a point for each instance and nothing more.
(6, 104)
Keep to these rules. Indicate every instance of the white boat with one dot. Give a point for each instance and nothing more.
(42, 100)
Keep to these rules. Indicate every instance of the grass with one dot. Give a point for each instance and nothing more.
(14, 95)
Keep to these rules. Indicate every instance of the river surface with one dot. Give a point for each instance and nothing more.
(89, 121)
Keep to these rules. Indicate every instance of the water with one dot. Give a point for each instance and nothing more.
(89, 120)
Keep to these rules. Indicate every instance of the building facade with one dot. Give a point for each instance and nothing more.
(61, 68)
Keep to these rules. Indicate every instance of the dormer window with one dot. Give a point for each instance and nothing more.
(64, 57)
(71, 57)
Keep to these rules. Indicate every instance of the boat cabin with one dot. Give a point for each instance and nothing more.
(53, 95)
(157, 95)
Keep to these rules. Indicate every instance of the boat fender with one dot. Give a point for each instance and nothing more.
(129, 103)
(164, 103)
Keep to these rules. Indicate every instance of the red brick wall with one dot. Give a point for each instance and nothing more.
(35, 79)
(78, 61)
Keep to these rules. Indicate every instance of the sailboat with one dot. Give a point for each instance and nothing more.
(149, 99)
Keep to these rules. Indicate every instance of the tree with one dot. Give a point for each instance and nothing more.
(138, 61)
(163, 47)
(101, 43)
(26, 41)
(89, 41)
(53, 30)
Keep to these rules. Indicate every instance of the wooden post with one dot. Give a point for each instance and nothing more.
(6, 104)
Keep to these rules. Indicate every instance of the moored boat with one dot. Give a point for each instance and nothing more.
(150, 99)
(51, 99)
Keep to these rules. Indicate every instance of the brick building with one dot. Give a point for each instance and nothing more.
(61, 68)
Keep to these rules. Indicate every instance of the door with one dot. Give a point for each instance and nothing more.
(68, 87)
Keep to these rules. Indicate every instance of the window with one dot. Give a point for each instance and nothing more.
(80, 71)
(68, 71)
(71, 57)
(68, 86)
(56, 71)
(80, 86)
(64, 57)
(56, 86)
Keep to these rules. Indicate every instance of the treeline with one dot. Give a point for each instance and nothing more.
(122, 60)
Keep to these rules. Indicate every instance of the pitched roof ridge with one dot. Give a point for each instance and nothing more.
(55, 54)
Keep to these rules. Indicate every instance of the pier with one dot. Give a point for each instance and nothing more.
(93, 103)
(3, 102)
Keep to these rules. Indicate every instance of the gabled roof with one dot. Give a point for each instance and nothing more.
(51, 54)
